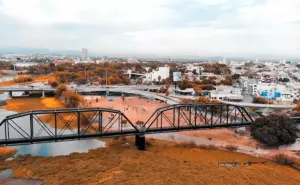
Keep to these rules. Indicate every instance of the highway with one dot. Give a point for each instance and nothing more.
(257, 105)
(137, 90)
(75, 88)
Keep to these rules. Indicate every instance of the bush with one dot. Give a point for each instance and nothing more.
(60, 89)
(23, 78)
(274, 130)
(287, 160)
(72, 99)
(123, 121)
(261, 100)
(53, 84)
(140, 123)
(190, 144)
(162, 89)
(231, 148)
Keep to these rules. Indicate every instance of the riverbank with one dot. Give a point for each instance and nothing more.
(28, 104)
(6, 152)
(162, 163)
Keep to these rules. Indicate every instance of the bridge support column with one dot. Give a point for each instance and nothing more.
(43, 94)
(10, 94)
(140, 141)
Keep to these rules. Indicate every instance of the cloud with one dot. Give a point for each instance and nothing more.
(167, 27)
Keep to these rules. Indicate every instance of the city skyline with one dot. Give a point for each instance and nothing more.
(178, 28)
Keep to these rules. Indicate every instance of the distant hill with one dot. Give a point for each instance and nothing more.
(20, 50)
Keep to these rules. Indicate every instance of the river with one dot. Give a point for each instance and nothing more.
(48, 149)
(44, 149)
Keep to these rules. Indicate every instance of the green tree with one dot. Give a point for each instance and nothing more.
(184, 84)
(274, 130)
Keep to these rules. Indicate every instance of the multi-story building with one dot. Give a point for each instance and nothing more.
(160, 74)
(84, 54)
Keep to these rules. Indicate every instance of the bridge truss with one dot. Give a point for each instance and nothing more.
(64, 124)
(70, 124)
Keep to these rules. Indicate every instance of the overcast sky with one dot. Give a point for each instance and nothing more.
(163, 27)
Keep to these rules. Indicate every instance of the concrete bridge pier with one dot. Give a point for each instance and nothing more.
(140, 141)
(43, 94)
(10, 94)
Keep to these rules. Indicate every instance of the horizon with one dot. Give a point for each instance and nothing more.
(157, 56)
(178, 29)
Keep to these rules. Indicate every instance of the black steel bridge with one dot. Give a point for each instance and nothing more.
(83, 123)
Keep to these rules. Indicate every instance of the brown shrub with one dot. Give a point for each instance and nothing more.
(189, 144)
(60, 89)
(208, 147)
(261, 100)
(72, 99)
(139, 123)
(192, 144)
(23, 78)
(231, 148)
(284, 159)
(53, 84)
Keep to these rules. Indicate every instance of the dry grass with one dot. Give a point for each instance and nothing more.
(231, 148)
(23, 78)
(192, 144)
(27, 104)
(285, 159)
(6, 152)
(161, 164)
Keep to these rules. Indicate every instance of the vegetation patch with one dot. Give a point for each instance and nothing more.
(23, 78)
(274, 130)
(284, 159)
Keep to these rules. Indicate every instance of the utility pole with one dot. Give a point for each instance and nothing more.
(85, 73)
(106, 76)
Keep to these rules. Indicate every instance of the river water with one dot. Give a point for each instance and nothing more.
(48, 149)
(44, 149)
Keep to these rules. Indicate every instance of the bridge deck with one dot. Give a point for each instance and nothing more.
(131, 132)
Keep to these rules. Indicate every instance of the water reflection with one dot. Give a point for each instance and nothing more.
(59, 148)
(47, 149)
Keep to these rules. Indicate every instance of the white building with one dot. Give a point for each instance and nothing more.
(277, 92)
(84, 54)
(197, 69)
(226, 93)
(163, 72)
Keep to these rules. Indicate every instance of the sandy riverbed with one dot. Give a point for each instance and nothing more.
(133, 107)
